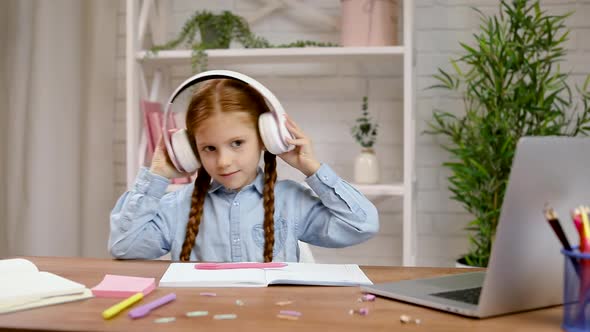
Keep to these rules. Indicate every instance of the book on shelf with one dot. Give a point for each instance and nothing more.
(153, 119)
(187, 275)
(23, 286)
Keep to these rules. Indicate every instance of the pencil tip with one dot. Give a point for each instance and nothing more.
(550, 213)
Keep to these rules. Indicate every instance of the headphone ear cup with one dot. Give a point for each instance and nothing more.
(270, 134)
(184, 152)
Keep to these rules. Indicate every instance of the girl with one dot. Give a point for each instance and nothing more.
(234, 211)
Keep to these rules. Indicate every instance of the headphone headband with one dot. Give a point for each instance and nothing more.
(273, 103)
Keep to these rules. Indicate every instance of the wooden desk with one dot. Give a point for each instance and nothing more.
(324, 308)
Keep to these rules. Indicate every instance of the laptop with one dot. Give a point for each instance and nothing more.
(525, 270)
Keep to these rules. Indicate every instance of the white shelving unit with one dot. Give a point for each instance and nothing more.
(152, 14)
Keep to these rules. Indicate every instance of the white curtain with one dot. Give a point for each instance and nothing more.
(56, 126)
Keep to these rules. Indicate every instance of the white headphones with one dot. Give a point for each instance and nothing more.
(271, 124)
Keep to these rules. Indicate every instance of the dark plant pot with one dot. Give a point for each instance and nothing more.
(212, 37)
(462, 263)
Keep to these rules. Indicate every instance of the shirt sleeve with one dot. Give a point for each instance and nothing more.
(338, 216)
(142, 219)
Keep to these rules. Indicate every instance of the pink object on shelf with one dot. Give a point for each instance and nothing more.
(368, 22)
(117, 286)
(153, 120)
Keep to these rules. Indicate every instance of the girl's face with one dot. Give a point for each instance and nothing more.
(229, 148)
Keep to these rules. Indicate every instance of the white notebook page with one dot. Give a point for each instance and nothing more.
(318, 274)
(185, 275)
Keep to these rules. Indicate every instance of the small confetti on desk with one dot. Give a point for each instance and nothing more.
(287, 317)
(368, 297)
(208, 294)
(225, 316)
(290, 313)
(361, 311)
(239, 303)
(164, 320)
(197, 313)
(283, 303)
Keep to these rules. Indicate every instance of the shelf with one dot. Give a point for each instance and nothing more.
(277, 55)
(364, 63)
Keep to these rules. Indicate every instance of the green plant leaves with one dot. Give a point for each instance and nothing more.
(217, 31)
(511, 86)
(365, 130)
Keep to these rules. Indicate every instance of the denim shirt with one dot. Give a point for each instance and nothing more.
(147, 222)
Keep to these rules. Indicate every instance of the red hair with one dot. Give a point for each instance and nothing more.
(227, 95)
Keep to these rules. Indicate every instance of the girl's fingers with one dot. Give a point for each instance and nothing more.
(298, 141)
(293, 129)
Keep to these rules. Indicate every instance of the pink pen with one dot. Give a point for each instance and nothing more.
(585, 271)
(227, 266)
(577, 217)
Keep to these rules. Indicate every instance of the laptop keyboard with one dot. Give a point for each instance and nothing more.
(468, 295)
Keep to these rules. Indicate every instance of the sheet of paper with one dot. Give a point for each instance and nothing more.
(17, 266)
(35, 285)
(18, 306)
(185, 275)
(318, 274)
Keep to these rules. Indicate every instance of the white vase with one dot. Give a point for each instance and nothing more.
(366, 167)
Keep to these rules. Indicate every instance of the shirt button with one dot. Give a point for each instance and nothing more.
(237, 240)
(236, 203)
(325, 178)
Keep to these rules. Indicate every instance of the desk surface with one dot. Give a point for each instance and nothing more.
(323, 308)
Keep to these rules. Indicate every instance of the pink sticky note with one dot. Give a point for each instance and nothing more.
(123, 286)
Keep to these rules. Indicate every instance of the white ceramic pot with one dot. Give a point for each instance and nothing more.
(366, 167)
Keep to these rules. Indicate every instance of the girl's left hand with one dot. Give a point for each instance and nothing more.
(302, 156)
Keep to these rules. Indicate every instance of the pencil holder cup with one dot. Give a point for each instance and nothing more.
(576, 291)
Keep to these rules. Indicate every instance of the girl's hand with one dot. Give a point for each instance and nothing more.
(302, 156)
(161, 163)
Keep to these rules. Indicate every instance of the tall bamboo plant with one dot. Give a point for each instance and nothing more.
(512, 86)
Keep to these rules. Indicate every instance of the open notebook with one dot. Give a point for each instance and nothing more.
(186, 275)
(23, 286)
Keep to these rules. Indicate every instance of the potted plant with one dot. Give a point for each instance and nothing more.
(512, 86)
(364, 131)
(217, 31)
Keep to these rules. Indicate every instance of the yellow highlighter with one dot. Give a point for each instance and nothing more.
(117, 308)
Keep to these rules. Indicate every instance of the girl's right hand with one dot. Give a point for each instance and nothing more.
(161, 163)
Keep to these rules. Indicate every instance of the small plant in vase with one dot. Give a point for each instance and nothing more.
(366, 166)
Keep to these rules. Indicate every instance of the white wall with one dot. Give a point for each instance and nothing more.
(325, 99)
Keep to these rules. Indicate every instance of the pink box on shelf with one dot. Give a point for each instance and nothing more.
(369, 22)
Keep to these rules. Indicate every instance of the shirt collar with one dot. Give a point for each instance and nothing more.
(258, 184)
